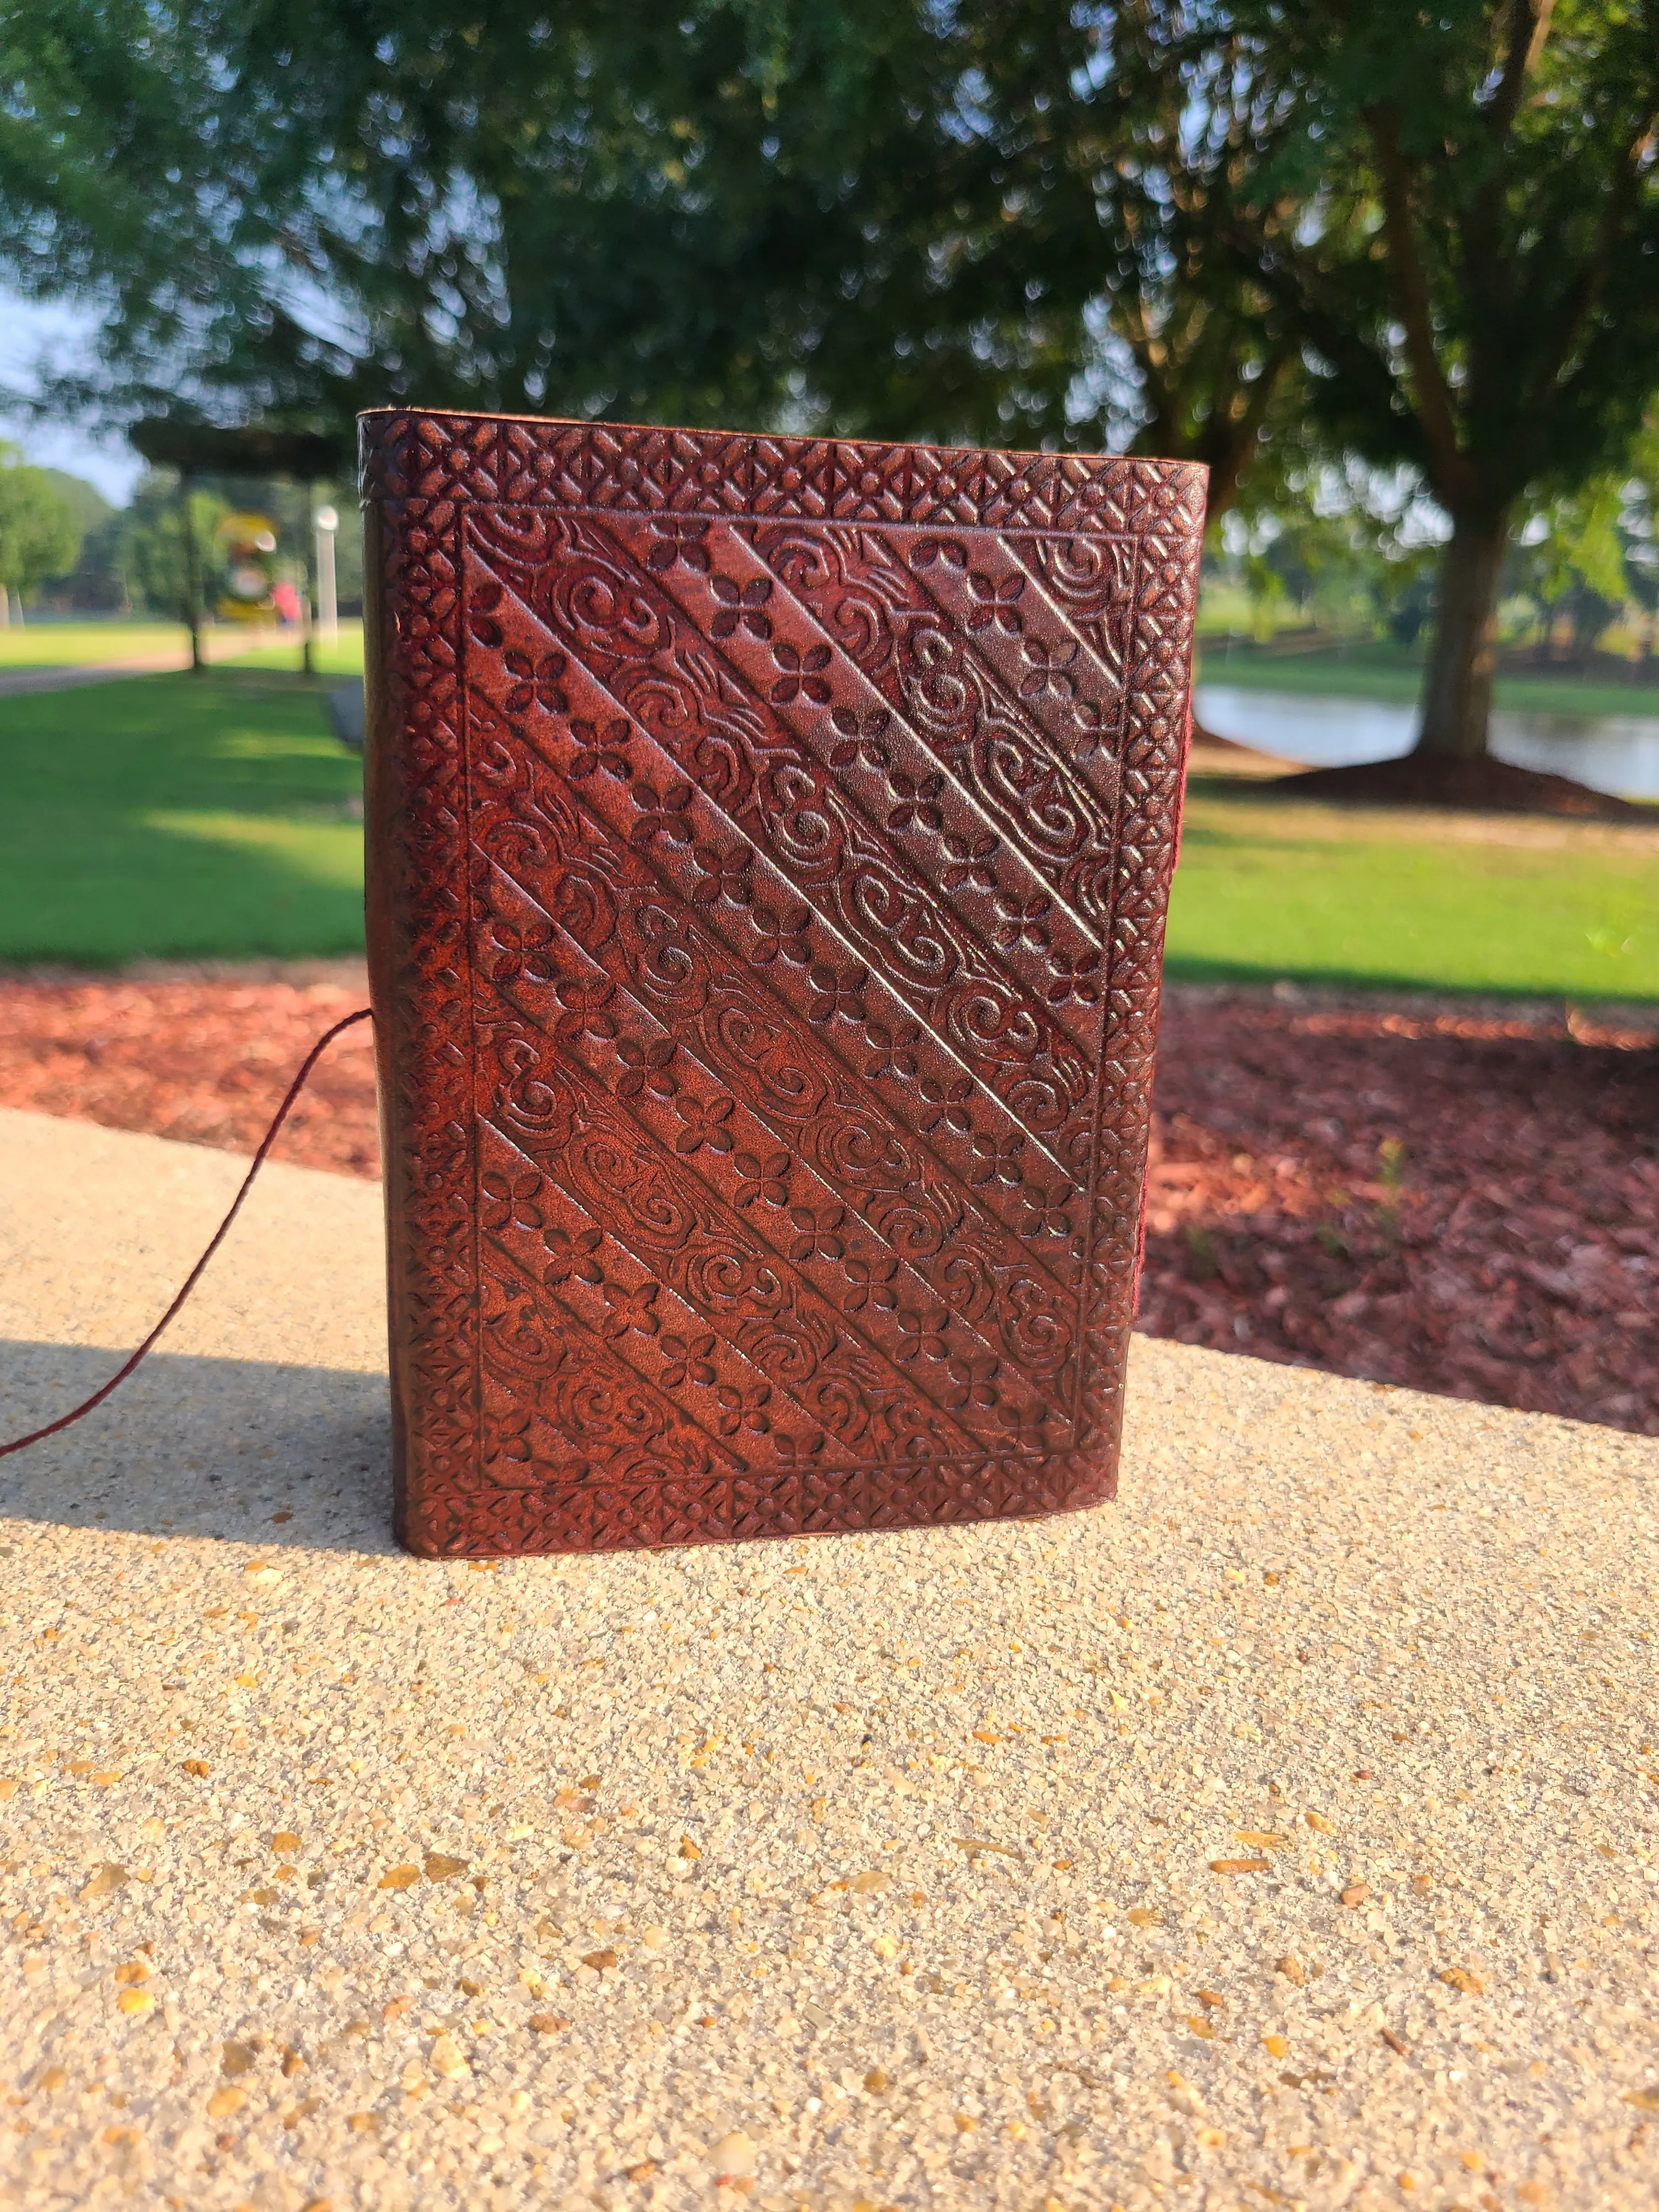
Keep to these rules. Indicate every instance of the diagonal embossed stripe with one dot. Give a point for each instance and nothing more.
(706, 937)
(577, 680)
(784, 806)
(666, 1440)
(877, 770)
(608, 813)
(1004, 961)
(528, 821)
(647, 1359)
(532, 711)
(906, 1263)
(902, 622)
(607, 1111)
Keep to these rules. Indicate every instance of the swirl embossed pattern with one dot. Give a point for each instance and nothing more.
(769, 843)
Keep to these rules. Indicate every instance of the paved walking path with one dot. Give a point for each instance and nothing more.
(1282, 1835)
(22, 683)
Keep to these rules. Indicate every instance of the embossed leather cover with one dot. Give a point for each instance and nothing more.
(770, 842)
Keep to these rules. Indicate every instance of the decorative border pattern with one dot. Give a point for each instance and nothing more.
(450, 692)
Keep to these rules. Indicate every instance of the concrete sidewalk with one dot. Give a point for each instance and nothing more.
(1283, 1835)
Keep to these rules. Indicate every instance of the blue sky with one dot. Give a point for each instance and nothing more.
(27, 329)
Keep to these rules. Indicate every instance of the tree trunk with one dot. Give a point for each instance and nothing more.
(308, 584)
(1457, 682)
(193, 577)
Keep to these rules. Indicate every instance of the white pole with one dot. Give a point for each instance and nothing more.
(328, 606)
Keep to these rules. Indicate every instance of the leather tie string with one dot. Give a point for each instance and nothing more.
(63, 1421)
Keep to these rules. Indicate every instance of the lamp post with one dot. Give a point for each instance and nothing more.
(326, 522)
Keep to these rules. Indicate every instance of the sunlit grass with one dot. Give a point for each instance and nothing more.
(68, 645)
(175, 815)
(114, 640)
(1269, 888)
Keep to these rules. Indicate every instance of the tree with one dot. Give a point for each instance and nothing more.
(1483, 300)
(972, 222)
(1171, 223)
(1638, 528)
(1571, 558)
(150, 554)
(1349, 548)
(86, 583)
(1157, 162)
(39, 534)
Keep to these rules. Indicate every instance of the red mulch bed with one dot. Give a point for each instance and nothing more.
(1482, 784)
(203, 1054)
(1463, 1199)
(1457, 1196)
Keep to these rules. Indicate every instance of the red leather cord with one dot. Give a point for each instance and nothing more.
(35, 1436)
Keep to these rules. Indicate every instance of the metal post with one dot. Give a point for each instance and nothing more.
(326, 522)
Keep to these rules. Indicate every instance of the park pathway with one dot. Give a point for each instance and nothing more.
(22, 683)
(1283, 1833)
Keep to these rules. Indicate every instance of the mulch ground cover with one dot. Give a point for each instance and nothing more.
(1481, 786)
(1459, 1196)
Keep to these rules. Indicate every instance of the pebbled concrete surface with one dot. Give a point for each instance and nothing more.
(1283, 1835)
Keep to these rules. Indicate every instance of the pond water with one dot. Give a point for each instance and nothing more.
(1610, 752)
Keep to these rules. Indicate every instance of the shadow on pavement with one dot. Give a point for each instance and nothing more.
(242, 1450)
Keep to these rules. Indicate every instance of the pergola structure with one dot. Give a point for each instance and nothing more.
(197, 449)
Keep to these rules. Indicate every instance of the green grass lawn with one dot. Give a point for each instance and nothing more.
(1270, 889)
(83, 644)
(75, 644)
(179, 815)
(345, 657)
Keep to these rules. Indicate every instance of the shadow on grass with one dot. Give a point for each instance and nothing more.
(1330, 975)
(197, 1447)
(136, 890)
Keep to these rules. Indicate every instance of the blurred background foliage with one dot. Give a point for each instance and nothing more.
(130, 559)
(1392, 272)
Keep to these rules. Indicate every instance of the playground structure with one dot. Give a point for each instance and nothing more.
(306, 458)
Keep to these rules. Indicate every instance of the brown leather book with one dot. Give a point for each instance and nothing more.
(769, 843)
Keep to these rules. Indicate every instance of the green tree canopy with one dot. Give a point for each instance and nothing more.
(1424, 235)
(41, 533)
(1476, 280)
(981, 222)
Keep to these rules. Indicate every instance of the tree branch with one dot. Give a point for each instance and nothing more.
(1581, 301)
(1229, 455)
(1434, 408)
(1325, 320)
(1479, 226)
(1530, 26)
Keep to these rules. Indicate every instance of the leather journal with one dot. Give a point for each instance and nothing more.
(769, 843)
